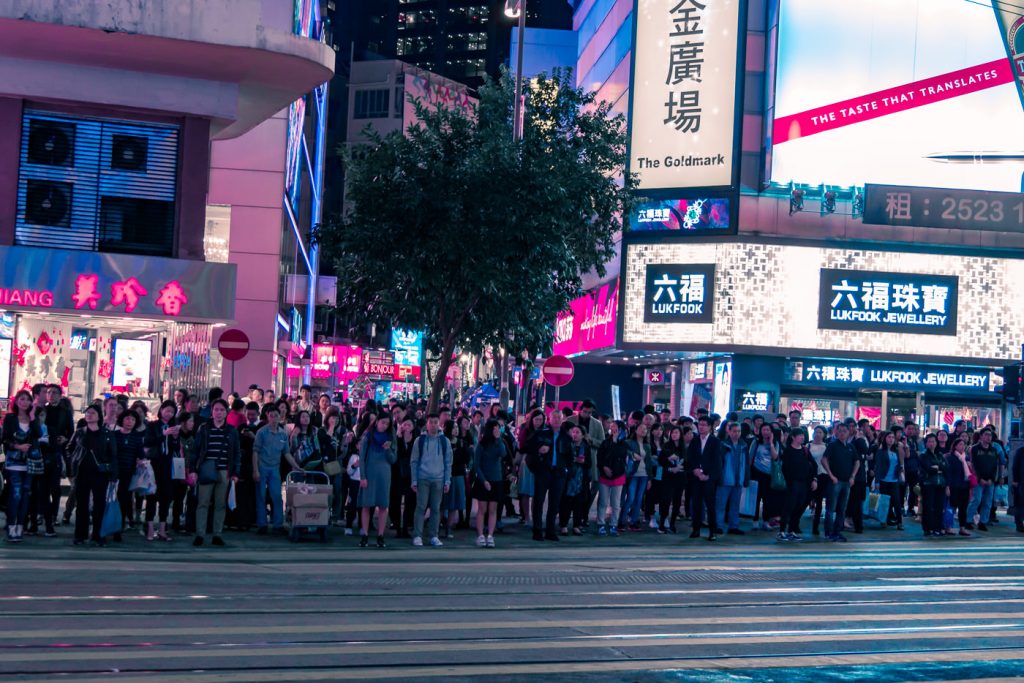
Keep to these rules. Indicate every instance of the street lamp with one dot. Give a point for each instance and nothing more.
(516, 9)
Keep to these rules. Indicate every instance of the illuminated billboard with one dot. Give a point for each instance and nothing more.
(681, 215)
(784, 299)
(590, 322)
(900, 92)
(684, 93)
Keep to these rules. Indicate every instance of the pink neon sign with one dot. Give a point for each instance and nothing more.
(590, 322)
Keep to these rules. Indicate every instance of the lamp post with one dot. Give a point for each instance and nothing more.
(517, 9)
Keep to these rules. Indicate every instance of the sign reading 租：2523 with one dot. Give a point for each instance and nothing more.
(685, 93)
(875, 301)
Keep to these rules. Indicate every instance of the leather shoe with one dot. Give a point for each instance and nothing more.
(695, 534)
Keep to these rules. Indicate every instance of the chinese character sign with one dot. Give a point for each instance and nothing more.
(685, 92)
(679, 293)
(933, 378)
(115, 285)
(888, 302)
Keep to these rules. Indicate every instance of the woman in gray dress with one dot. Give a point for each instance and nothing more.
(376, 456)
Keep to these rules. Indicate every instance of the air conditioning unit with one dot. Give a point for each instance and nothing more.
(48, 203)
(129, 152)
(51, 143)
(138, 184)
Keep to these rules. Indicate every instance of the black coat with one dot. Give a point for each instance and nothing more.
(709, 459)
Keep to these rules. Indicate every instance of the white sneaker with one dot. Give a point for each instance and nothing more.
(348, 532)
(481, 541)
(436, 542)
(418, 542)
(490, 541)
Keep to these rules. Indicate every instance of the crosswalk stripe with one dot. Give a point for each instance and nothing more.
(579, 642)
(567, 668)
(433, 627)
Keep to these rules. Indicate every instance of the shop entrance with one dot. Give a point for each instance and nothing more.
(886, 408)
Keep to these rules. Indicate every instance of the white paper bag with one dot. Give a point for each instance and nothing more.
(178, 469)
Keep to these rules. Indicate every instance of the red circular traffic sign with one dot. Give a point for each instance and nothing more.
(558, 371)
(233, 344)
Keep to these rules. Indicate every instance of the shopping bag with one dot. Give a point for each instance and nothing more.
(232, 503)
(143, 481)
(778, 480)
(178, 469)
(948, 518)
(748, 500)
(111, 523)
(876, 506)
(1001, 495)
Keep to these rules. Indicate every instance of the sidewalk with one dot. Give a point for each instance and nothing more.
(513, 536)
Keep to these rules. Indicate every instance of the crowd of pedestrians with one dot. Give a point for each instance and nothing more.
(394, 469)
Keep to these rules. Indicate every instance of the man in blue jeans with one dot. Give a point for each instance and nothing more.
(841, 463)
(271, 445)
(986, 462)
(735, 477)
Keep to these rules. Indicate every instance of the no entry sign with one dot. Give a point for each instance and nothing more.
(233, 344)
(558, 371)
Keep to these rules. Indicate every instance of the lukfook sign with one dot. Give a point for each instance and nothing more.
(887, 302)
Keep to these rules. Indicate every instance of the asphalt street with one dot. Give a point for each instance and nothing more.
(886, 606)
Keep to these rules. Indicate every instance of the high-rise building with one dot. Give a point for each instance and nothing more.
(115, 270)
(790, 252)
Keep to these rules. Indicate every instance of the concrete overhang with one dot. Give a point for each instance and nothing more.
(246, 45)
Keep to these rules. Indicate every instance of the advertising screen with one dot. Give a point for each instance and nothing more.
(407, 345)
(684, 215)
(901, 92)
(589, 324)
(132, 361)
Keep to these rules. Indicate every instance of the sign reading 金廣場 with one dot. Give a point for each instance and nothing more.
(684, 93)
(117, 285)
(887, 302)
(679, 293)
(818, 372)
(589, 324)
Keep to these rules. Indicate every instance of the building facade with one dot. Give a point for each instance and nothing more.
(785, 254)
(116, 270)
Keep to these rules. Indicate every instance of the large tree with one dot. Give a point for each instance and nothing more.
(455, 228)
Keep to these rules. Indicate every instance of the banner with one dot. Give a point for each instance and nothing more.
(684, 93)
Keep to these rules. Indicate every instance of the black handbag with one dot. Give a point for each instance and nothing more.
(208, 471)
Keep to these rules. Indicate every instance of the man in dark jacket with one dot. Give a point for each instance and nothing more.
(704, 462)
(985, 460)
(549, 465)
(841, 463)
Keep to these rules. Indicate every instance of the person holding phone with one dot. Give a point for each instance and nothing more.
(576, 500)
(376, 456)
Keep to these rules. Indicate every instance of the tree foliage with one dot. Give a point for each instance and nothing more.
(454, 228)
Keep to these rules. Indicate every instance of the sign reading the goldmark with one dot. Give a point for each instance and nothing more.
(684, 93)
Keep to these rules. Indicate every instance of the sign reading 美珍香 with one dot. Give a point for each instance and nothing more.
(684, 93)
(679, 293)
(818, 372)
(872, 301)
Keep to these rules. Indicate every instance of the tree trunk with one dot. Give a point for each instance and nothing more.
(442, 375)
